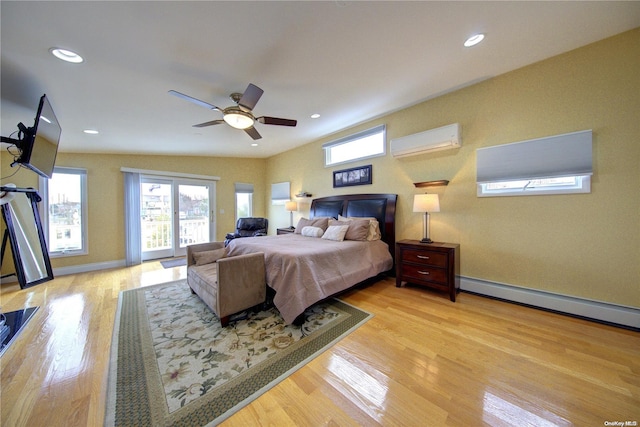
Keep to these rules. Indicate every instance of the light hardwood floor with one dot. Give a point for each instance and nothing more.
(421, 361)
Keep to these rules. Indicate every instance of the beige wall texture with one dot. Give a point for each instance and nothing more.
(583, 245)
(106, 194)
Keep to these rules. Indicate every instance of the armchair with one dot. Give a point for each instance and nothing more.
(248, 227)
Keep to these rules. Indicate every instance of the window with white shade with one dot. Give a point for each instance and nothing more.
(280, 193)
(244, 200)
(560, 164)
(362, 145)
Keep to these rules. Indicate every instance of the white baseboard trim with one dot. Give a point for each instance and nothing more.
(74, 269)
(597, 310)
(83, 268)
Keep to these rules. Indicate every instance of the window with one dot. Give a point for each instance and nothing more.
(65, 212)
(564, 185)
(280, 193)
(244, 200)
(560, 164)
(362, 145)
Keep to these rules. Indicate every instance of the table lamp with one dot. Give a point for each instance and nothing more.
(426, 203)
(291, 207)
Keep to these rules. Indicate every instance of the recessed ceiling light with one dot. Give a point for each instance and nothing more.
(474, 40)
(91, 131)
(315, 116)
(66, 55)
(255, 144)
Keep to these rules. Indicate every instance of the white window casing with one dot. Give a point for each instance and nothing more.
(362, 145)
(78, 231)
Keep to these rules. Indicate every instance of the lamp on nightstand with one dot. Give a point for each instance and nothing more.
(426, 203)
(291, 207)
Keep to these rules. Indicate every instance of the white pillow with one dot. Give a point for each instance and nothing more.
(374, 227)
(335, 232)
(310, 231)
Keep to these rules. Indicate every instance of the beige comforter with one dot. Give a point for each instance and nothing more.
(304, 270)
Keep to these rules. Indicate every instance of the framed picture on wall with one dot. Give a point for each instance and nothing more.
(354, 176)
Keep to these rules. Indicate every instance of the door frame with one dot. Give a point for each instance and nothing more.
(175, 182)
(182, 251)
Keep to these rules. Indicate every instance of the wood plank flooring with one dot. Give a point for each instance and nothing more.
(421, 361)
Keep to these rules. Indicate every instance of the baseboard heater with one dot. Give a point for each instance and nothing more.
(618, 315)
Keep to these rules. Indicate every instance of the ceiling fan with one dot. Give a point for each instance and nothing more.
(239, 116)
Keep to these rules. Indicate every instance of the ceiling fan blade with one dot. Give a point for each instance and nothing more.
(194, 100)
(250, 97)
(253, 133)
(211, 123)
(276, 121)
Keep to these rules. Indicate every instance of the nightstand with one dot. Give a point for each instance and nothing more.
(435, 265)
(287, 230)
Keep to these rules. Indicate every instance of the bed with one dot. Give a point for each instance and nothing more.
(304, 270)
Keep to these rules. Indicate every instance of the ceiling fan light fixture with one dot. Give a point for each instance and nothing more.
(238, 119)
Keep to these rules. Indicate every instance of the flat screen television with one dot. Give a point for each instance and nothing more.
(38, 145)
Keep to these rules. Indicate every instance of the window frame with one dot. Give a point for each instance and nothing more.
(243, 188)
(326, 148)
(582, 185)
(84, 207)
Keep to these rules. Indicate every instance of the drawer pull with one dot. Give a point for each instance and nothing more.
(424, 273)
(422, 257)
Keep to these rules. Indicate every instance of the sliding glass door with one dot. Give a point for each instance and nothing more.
(194, 216)
(156, 216)
(175, 213)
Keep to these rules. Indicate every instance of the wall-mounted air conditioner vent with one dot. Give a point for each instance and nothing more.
(442, 138)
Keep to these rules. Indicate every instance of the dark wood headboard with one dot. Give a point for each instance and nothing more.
(379, 206)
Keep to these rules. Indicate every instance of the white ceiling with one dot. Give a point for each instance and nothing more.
(348, 61)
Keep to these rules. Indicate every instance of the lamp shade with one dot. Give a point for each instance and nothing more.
(291, 206)
(426, 203)
(238, 119)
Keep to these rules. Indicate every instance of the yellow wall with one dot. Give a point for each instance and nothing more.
(106, 194)
(584, 245)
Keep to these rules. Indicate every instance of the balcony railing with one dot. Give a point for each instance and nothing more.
(158, 234)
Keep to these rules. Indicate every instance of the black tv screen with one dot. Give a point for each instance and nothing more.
(39, 147)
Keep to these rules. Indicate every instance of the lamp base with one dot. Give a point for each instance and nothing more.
(426, 240)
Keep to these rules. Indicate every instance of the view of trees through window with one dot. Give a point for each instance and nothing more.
(244, 207)
(156, 214)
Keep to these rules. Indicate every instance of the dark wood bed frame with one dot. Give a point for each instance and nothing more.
(379, 206)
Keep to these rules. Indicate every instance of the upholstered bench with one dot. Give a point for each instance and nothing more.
(227, 285)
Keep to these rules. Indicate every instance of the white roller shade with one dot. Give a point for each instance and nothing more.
(555, 156)
(280, 193)
(242, 187)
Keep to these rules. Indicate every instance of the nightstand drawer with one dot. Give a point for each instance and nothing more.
(436, 259)
(422, 273)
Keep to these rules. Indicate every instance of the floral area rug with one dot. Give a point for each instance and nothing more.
(173, 364)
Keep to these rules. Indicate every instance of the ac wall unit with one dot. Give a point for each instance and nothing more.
(442, 138)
